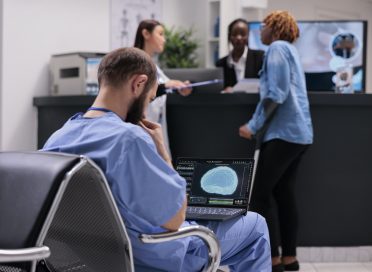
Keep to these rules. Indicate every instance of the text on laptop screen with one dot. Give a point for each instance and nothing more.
(216, 182)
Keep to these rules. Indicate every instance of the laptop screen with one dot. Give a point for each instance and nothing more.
(214, 182)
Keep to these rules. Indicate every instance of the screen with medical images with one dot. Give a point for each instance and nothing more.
(332, 53)
(217, 182)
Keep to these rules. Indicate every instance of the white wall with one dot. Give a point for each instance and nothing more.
(33, 30)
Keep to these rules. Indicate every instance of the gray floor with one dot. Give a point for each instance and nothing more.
(332, 267)
(336, 267)
(335, 254)
(334, 259)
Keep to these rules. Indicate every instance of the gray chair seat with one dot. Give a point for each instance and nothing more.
(61, 205)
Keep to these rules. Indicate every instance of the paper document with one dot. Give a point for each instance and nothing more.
(247, 85)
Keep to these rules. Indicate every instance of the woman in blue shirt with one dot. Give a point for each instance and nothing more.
(284, 110)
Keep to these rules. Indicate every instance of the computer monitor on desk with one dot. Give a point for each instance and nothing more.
(332, 53)
(198, 75)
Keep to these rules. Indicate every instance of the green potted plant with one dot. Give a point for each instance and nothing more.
(180, 49)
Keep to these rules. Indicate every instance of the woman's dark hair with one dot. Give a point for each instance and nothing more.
(149, 25)
(231, 26)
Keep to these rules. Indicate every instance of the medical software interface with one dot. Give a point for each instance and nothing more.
(216, 182)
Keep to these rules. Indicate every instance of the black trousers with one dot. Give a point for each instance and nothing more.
(273, 193)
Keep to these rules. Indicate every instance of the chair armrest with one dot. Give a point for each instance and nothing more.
(24, 254)
(200, 231)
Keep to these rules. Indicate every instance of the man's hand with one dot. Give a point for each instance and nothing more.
(155, 131)
(245, 132)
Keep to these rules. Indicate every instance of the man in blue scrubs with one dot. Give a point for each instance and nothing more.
(149, 193)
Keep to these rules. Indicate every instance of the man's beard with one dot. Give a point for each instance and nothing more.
(135, 113)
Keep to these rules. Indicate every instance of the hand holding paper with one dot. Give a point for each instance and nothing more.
(197, 84)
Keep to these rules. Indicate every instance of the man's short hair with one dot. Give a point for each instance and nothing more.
(119, 65)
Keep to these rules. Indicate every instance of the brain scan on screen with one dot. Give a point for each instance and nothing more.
(221, 180)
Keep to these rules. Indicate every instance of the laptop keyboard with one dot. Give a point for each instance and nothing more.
(213, 210)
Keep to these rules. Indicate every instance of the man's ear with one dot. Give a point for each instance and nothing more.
(138, 84)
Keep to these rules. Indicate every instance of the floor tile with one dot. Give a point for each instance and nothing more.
(335, 254)
(303, 254)
(307, 267)
(316, 255)
(327, 254)
(329, 267)
(365, 254)
(339, 267)
(340, 254)
(368, 266)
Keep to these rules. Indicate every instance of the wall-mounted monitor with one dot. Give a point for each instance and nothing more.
(333, 53)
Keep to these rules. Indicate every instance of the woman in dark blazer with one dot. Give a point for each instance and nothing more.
(241, 61)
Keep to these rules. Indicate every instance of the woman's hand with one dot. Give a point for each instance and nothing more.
(179, 84)
(185, 91)
(155, 131)
(245, 132)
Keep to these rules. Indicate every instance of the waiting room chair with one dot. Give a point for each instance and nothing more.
(57, 214)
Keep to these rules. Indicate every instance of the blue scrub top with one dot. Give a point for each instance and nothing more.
(147, 191)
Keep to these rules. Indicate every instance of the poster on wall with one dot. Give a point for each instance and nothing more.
(125, 16)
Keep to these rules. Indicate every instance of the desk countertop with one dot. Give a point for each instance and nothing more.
(315, 98)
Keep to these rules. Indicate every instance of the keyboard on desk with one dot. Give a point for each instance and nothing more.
(212, 213)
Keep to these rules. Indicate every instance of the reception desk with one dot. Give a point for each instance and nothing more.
(334, 189)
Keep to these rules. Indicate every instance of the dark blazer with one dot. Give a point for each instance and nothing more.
(252, 66)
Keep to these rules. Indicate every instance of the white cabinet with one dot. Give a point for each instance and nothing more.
(219, 15)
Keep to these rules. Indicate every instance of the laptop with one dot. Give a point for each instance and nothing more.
(217, 189)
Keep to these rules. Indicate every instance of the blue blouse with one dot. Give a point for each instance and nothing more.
(283, 81)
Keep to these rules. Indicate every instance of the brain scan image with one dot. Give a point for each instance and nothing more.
(220, 180)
